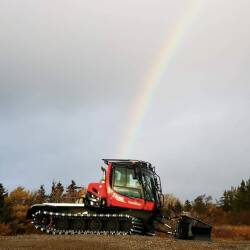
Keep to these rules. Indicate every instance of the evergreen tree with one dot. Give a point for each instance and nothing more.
(40, 195)
(226, 201)
(240, 202)
(4, 209)
(236, 199)
(56, 192)
(71, 192)
(3, 193)
(187, 206)
(248, 194)
(178, 207)
(52, 193)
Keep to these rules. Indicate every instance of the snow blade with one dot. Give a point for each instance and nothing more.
(193, 229)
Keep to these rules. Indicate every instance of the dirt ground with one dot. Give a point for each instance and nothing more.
(113, 242)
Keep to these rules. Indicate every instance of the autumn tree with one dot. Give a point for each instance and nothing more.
(201, 204)
(18, 202)
(171, 205)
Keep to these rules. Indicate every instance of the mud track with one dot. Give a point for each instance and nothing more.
(101, 242)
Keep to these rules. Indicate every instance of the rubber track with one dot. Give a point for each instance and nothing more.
(137, 225)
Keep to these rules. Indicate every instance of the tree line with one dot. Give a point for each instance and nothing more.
(14, 205)
(232, 208)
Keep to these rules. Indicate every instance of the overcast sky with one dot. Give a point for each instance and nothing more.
(70, 71)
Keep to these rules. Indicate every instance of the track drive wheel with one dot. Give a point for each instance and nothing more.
(79, 224)
(95, 224)
(126, 225)
(113, 225)
(62, 223)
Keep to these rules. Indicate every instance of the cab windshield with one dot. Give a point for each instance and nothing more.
(135, 185)
(125, 182)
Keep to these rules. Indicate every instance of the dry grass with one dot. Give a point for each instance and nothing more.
(101, 242)
(231, 232)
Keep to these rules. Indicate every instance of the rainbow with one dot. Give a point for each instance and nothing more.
(153, 79)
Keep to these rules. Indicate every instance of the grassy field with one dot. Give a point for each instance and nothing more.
(113, 243)
(231, 232)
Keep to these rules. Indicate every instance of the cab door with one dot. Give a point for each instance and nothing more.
(124, 188)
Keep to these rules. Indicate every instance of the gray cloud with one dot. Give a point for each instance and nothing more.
(69, 73)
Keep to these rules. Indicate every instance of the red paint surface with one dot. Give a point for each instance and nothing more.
(113, 199)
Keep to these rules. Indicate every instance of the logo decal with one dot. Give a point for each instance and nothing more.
(118, 197)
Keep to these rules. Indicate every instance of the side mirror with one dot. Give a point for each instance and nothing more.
(103, 169)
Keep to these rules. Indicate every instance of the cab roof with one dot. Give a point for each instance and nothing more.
(106, 161)
(124, 162)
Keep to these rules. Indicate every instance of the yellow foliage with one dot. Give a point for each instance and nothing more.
(5, 229)
(18, 202)
(19, 196)
(18, 212)
(170, 200)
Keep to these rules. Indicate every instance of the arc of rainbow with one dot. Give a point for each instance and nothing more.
(144, 98)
